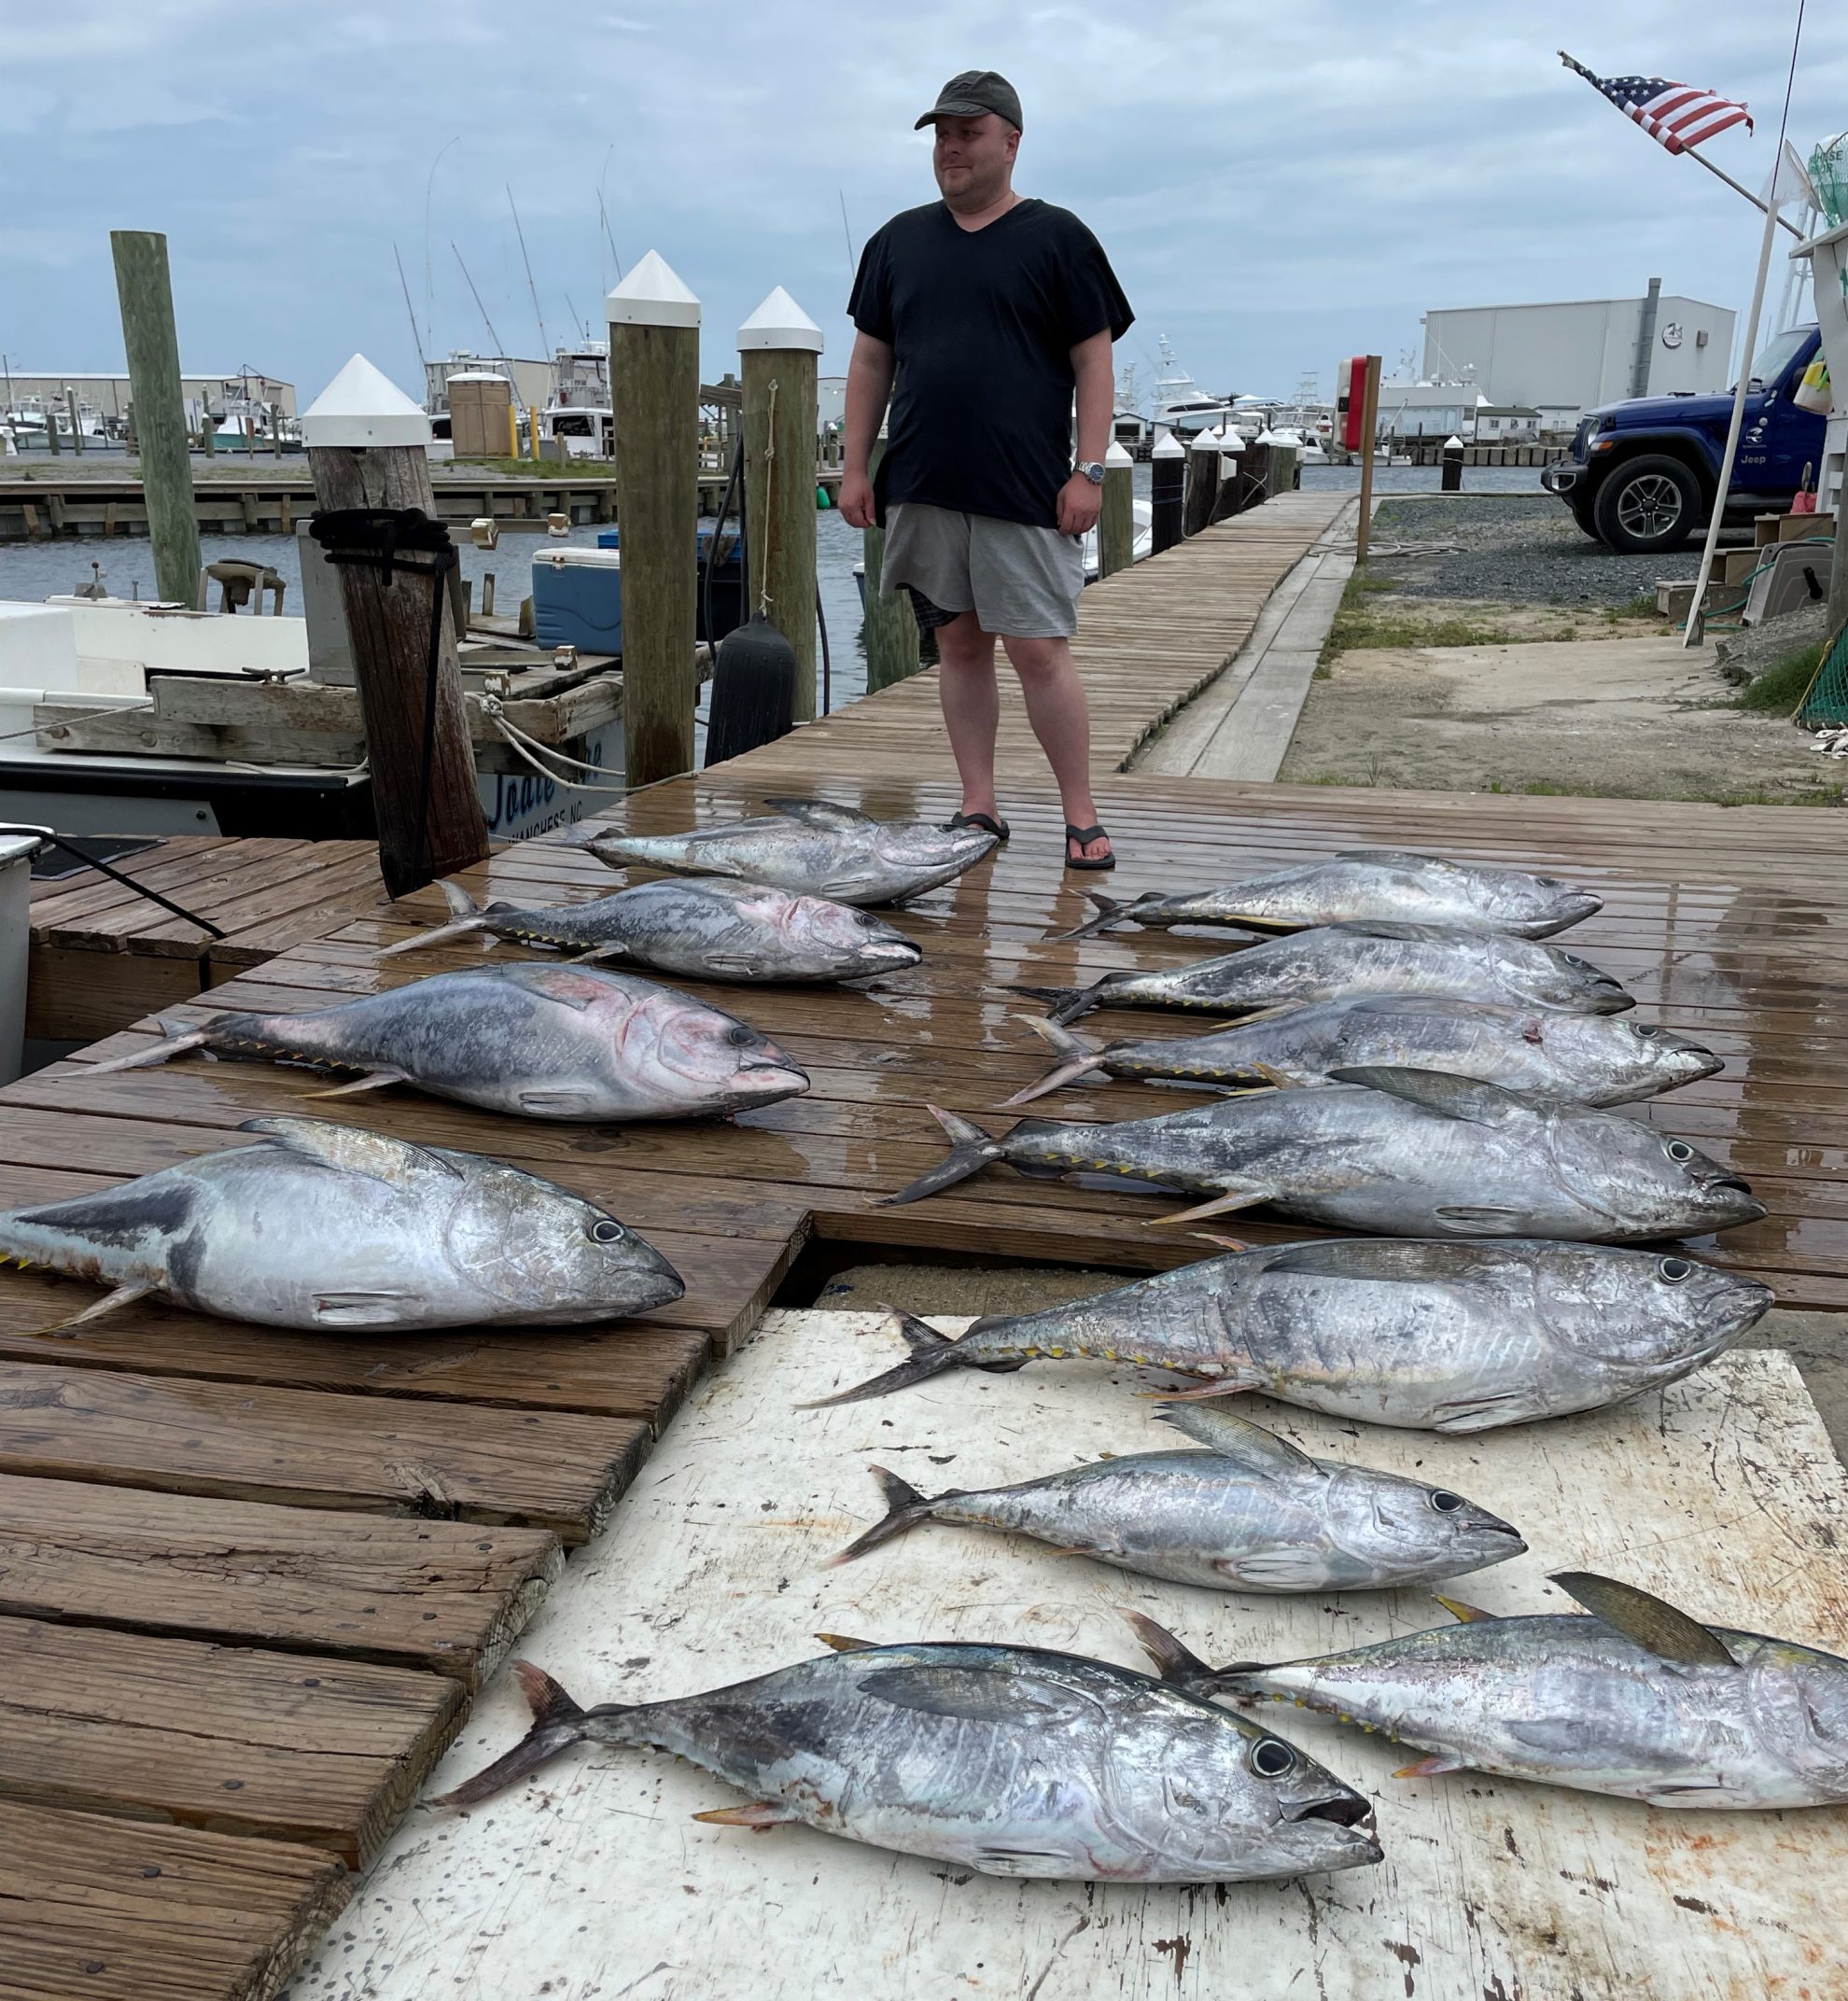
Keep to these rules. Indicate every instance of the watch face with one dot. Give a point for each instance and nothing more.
(1093, 472)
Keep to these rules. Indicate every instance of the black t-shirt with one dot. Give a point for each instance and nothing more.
(983, 323)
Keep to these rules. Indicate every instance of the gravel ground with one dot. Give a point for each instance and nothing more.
(1514, 548)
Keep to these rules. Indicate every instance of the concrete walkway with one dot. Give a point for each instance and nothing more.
(1240, 726)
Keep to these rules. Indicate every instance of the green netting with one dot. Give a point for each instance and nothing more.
(1829, 170)
(1827, 700)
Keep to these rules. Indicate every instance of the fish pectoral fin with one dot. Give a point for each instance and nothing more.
(733, 963)
(595, 953)
(358, 1309)
(354, 1149)
(1237, 1379)
(1468, 1614)
(374, 1080)
(1468, 1099)
(1247, 1446)
(819, 813)
(1275, 1569)
(1655, 1625)
(1482, 1218)
(760, 1814)
(555, 1104)
(1225, 1243)
(1437, 1764)
(1220, 1205)
(123, 1295)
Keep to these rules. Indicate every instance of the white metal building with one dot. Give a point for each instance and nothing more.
(1580, 353)
(109, 395)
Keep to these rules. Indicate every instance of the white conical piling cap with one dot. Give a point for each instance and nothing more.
(779, 322)
(1117, 454)
(1453, 443)
(362, 407)
(1167, 445)
(651, 295)
(1231, 445)
(1208, 441)
(1267, 436)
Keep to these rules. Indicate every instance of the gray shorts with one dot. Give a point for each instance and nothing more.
(1021, 581)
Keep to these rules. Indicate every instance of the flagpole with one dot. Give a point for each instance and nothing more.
(1694, 631)
(1720, 174)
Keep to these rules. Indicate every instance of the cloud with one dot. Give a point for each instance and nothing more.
(1276, 186)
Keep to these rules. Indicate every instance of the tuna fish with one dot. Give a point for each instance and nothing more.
(542, 1042)
(321, 1225)
(1408, 1153)
(701, 928)
(1335, 959)
(1250, 1514)
(1429, 1336)
(1586, 1060)
(1639, 1701)
(813, 847)
(1366, 885)
(1009, 1761)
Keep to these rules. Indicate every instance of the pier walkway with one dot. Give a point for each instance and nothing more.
(249, 1581)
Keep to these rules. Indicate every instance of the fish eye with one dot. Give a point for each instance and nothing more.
(1678, 1149)
(1572, 958)
(1647, 1029)
(1271, 1758)
(1672, 1270)
(741, 1037)
(606, 1230)
(1445, 1501)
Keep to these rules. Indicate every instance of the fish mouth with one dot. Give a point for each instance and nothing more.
(890, 957)
(1345, 1809)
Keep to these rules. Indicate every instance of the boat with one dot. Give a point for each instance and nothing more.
(1180, 405)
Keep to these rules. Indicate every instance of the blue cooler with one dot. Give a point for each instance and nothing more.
(578, 599)
(728, 577)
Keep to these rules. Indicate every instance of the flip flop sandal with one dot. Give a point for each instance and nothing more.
(986, 822)
(1081, 836)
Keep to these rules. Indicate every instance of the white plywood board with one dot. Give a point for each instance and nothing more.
(1722, 1493)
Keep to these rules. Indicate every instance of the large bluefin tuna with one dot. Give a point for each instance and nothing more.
(704, 928)
(811, 846)
(1366, 885)
(321, 1225)
(542, 1041)
(1009, 1761)
(1584, 1059)
(1408, 1153)
(1430, 1335)
(1639, 1699)
(1252, 1513)
(1333, 960)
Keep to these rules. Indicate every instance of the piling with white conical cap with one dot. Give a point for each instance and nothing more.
(361, 408)
(779, 322)
(654, 388)
(1116, 519)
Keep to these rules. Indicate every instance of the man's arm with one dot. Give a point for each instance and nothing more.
(1079, 501)
(869, 387)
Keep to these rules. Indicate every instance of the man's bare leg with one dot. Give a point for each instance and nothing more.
(1061, 719)
(972, 708)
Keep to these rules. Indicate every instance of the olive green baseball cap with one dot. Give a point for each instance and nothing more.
(971, 95)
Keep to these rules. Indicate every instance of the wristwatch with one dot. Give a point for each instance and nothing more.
(1091, 469)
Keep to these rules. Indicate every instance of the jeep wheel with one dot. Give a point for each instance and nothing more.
(1647, 506)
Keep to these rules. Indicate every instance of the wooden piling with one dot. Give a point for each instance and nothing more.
(654, 386)
(1116, 523)
(367, 448)
(778, 347)
(1167, 482)
(146, 292)
(893, 642)
(1450, 478)
(1203, 473)
(1369, 445)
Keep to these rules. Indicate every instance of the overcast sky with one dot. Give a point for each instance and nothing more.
(1277, 185)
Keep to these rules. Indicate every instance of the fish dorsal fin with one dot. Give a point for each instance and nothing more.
(842, 1645)
(1469, 1615)
(1398, 857)
(1651, 1622)
(1466, 1099)
(1009, 1693)
(353, 1149)
(1247, 1446)
(1396, 1260)
(820, 813)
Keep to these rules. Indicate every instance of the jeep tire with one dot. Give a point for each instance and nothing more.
(1647, 506)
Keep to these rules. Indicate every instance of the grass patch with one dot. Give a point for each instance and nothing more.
(1778, 690)
(1642, 606)
(576, 470)
(1362, 624)
(1757, 795)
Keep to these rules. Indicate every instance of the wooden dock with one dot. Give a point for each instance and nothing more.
(248, 1581)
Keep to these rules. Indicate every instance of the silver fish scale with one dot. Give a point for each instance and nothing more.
(1011, 1762)
(1569, 1701)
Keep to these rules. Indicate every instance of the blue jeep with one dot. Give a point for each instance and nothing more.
(1642, 474)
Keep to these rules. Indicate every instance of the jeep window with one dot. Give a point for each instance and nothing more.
(1778, 354)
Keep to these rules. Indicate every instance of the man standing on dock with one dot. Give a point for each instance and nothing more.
(978, 317)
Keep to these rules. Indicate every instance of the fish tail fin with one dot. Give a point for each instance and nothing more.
(1177, 1663)
(1065, 1003)
(906, 1507)
(559, 1723)
(461, 904)
(466, 916)
(931, 1353)
(1109, 910)
(971, 1151)
(179, 1036)
(1078, 1062)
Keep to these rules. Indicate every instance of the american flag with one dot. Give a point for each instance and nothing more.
(1675, 113)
